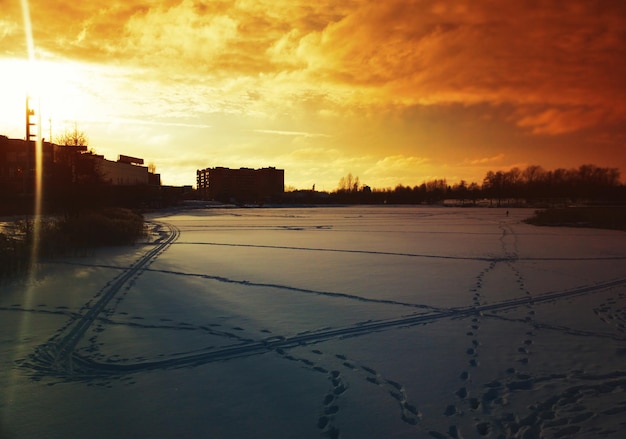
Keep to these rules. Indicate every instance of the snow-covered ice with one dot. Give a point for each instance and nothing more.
(351, 322)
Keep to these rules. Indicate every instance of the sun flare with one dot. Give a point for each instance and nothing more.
(58, 86)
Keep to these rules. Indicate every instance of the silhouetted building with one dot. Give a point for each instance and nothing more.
(17, 164)
(241, 185)
(72, 164)
(71, 177)
(127, 171)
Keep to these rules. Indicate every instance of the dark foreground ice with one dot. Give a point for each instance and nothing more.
(355, 322)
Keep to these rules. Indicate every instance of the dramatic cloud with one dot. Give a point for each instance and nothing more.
(441, 80)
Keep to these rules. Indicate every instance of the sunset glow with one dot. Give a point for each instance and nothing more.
(396, 92)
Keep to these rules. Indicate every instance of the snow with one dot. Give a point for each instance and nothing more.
(343, 322)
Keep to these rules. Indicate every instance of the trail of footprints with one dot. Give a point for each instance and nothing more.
(612, 313)
(564, 414)
(493, 393)
(339, 377)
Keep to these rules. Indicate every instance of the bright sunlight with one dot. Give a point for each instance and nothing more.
(60, 86)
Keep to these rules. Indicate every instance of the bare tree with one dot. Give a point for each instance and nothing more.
(73, 137)
(349, 184)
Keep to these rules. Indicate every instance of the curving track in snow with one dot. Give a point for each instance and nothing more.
(484, 389)
(58, 357)
(58, 353)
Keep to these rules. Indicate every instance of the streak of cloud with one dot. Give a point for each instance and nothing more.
(487, 160)
(291, 133)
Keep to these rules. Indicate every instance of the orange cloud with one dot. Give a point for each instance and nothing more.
(563, 120)
(406, 78)
(401, 51)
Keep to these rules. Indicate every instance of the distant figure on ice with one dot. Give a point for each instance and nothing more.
(507, 213)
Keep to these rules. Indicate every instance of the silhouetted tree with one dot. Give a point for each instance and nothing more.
(512, 183)
(460, 191)
(436, 190)
(533, 184)
(533, 178)
(349, 183)
(474, 192)
(493, 184)
(73, 137)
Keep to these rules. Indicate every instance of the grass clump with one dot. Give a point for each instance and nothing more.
(613, 218)
(69, 235)
(14, 256)
(101, 228)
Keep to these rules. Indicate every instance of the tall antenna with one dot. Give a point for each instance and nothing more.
(30, 114)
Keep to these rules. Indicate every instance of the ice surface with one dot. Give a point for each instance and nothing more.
(323, 322)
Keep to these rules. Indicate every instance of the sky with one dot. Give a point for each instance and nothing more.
(394, 92)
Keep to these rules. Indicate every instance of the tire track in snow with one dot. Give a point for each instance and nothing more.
(411, 255)
(335, 250)
(78, 367)
(299, 290)
(287, 288)
(58, 352)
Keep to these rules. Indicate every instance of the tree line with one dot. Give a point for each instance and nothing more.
(532, 185)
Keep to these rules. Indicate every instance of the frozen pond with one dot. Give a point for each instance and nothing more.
(350, 322)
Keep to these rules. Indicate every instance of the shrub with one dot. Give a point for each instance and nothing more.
(107, 227)
(62, 236)
(597, 217)
(14, 256)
